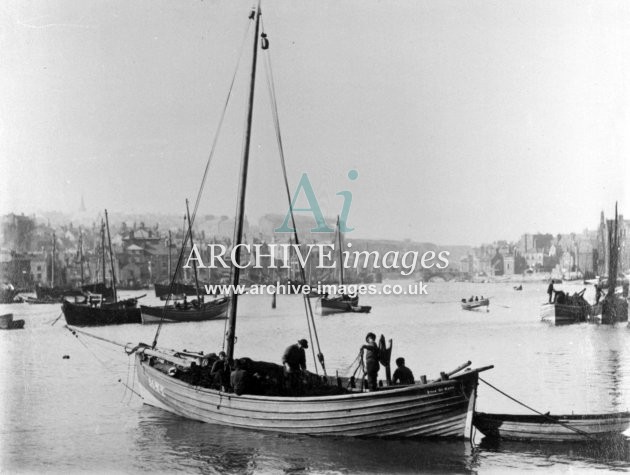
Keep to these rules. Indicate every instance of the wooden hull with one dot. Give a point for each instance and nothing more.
(540, 428)
(474, 305)
(442, 409)
(338, 304)
(214, 310)
(558, 314)
(109, 314)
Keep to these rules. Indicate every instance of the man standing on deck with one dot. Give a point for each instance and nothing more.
(294, 361)
(550, 291)
(370, 350)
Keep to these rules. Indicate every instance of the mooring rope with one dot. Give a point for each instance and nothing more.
(546, 416)
(76, 332)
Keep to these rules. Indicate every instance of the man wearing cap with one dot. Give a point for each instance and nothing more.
(294, 361)
(370, 351)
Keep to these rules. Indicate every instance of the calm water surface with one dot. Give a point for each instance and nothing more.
(75, 415)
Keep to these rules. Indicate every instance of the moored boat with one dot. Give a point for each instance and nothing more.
(562, 314)
(213, 310)
(438, 409)
(113, 313)
(96, 309)
(552, 428)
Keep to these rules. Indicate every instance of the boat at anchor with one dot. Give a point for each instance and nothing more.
(552, 428)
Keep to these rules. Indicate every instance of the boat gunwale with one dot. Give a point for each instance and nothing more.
(552, 418)
(381, 393)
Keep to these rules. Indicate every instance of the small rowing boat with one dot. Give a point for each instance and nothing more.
(551, 428)
(475, 304)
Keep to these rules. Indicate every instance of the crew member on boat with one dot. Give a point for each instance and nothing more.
(598, 293)
(402, 375)
(239, 379)
(370, 351)
(294, 361)
(550, 291)
(220, 372)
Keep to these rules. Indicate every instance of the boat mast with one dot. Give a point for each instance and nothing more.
(111, 257)
(340, 253)
(242, 185)
(103, 252)
(54, 256)
(81, 255)
(192, 245)
(169, 256)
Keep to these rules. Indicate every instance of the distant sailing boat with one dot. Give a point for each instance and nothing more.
(195, 311)
(54, 293)
(175, 380)
(614, 307)
(343, 302)
(98, 310)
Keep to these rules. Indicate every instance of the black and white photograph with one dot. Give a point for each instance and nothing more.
(314, 237)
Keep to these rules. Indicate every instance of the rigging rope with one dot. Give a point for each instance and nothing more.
(546, 416)
(203, 181)
(75, 333)
(276, 121)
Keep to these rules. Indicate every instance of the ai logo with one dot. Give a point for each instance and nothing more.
(322, 227)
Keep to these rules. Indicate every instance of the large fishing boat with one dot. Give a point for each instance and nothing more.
(176, 381)
(566, 309)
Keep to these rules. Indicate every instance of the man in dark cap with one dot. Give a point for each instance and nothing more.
(294, 361)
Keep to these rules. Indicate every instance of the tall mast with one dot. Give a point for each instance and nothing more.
(111, 257)
(170, 277)
(103, 252)
(192, 245)
(81, 255)
(340, 253)
(242, 186)
(54, 256)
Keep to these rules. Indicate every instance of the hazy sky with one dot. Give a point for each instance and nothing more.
(466, 121)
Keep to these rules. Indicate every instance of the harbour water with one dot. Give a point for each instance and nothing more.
(80, 414)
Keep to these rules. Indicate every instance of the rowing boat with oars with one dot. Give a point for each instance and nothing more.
(552, 428)
(475, 304)
(177, 381)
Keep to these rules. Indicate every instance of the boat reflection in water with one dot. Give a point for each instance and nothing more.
(189, 445)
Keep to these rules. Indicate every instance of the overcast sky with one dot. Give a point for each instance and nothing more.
(466, 121)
